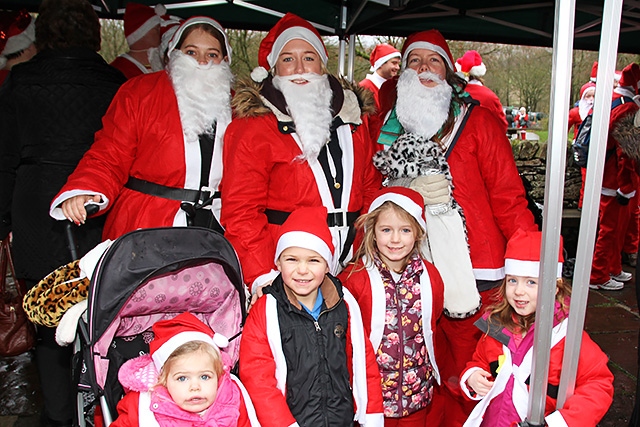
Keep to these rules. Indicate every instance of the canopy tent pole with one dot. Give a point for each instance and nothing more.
(343, 43)
(553, 195)
(601, 113)
(352, 57)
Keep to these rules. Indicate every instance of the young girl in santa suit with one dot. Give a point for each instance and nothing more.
(499, 373)
(401, 296)
(184, 381)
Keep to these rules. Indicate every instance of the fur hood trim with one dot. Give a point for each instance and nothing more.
(628, 136)
(248, 102)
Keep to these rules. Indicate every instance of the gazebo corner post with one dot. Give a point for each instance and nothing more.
(611, 17)
(552, 214)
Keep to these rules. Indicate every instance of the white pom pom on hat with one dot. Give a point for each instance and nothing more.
(258, 74)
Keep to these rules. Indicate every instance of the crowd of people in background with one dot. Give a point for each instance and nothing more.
(382, 227)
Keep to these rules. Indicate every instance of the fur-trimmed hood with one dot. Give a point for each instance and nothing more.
(628, 136)
(256, 99)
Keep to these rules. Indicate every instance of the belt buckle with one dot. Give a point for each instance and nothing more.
(340, 218)
(205, 194)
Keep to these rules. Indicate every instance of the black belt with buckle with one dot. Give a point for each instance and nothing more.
(334, 219)
(180, 194)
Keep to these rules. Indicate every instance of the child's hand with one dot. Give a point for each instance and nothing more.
(480, 383)
(257, 294)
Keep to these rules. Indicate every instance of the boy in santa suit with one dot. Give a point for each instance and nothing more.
(304, 357)
(17, 38)
(473, 69)
(619, 186)
(385, 64)
(298, 139)
(157, 161)
(142, 29)
(428, 100)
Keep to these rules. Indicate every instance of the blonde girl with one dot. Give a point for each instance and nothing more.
(499, 373)
(400, 296)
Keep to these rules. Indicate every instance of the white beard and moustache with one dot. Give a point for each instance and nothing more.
(422, 110)
(203, 93)
(310, 108)
(155, 59)
(584, 106)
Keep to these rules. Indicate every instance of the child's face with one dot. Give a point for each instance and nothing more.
(303, 271)
(522, 294)
(395, 238)
(192, 381)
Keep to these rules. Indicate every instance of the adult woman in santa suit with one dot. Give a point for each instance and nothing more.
(157, 160)
(298, 139)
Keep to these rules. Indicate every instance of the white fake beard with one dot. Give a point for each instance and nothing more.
(584, 106)
(422, 110)
(310, 108)
(203, 93)
(155, 59)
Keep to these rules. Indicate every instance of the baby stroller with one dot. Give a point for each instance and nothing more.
(146, 276)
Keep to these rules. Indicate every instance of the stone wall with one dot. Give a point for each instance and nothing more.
(531, 157)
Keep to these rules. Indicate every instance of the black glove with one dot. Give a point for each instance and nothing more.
(621, 199)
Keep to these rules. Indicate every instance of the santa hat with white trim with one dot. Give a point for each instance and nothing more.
(522, 256)
(171, 334)
(406, 198)
(307, 228)
(470, 64)
(594, 72)
(289, 27)
(139, 19)
(630, 77)
(381, 54)
(430, 39)
(17, 32)
(173, 44)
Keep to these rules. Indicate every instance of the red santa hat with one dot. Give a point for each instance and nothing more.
(471, 64)
(171, 334)
(522, 255)
(587, 87)
(173, 44)
(430, 39)
(406, 198)
(630, 77)
(288, 28)
(381, 54)
(139, 19)
(307, 228)
(594, 72)
(17, 32)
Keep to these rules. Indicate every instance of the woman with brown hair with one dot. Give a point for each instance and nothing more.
(157, 161)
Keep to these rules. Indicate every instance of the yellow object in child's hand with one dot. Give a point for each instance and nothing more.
(501, 360)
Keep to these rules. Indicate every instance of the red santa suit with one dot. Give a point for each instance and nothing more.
(487, 99)
(619, 179)
(129, 66)
(264, 355)
(142, 137)
(507, 400)
(487, 186)
(372, 83)
(263, 174)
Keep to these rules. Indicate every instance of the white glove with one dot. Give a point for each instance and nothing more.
(434, 189)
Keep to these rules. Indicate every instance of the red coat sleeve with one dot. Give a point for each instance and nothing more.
(501, 178)
(593, 392)
(127, 411)
(245, 189)
(627, 177)
(257, 371)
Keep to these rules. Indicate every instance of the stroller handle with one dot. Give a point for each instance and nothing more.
(91, 209)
